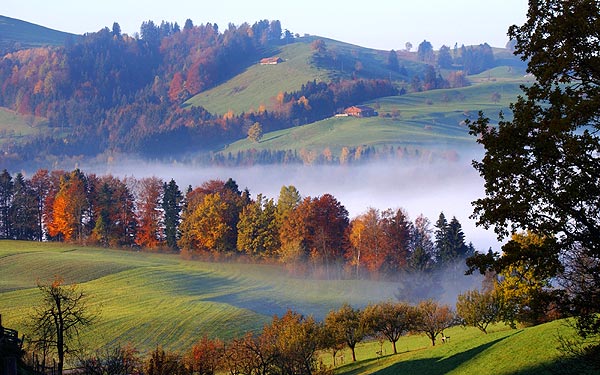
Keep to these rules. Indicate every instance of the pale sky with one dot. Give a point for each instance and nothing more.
(380, 24)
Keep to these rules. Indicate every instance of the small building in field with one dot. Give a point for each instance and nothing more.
(271, 60)
(360, 111)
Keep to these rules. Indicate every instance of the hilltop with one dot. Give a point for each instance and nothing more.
(17, 34)
(192, 93)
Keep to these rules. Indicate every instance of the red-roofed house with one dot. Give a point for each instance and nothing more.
(271, 60)
(360, 111)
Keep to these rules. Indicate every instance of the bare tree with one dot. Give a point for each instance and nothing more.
(56, 323)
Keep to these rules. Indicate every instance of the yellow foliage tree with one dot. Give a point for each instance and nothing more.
(204, 227)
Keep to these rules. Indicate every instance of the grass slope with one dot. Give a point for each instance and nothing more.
(158, 299)
(503, 351)
(16, 128)
(259, 84)
(21, 34)
(428, 120)
(155, 299)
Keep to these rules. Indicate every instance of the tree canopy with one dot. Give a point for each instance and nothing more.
(541, 169)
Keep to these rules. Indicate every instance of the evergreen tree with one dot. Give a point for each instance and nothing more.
(6, 194)
(457, 239)
(443, 249)
(23, 210)
(172, 204)
(444, 59)
(392, 61)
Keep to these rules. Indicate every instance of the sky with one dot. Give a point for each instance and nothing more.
(380, 24)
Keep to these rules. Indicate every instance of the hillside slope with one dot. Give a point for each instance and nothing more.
(158, 299)
(259, 84)
(17, 34)
(431, 120)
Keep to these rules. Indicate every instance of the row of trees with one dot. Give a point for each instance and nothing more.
(290, 344)
(471, 59)
(216, 219)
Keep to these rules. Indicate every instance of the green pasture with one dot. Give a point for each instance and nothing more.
(15, 127)
(162, 299)
(525, 351)
(152, 299)
(259, 84)
(426, 120)
(30, 35)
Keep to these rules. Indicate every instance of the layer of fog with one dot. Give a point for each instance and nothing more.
(426, 188)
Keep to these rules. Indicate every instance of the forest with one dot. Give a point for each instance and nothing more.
(308, 235)
(109, 92)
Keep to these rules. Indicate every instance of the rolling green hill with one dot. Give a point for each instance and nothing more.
(432, 120)
(17, 34)
(159, 299)
(260, 84)
(15, 127)
(155, 299)
(506, 351)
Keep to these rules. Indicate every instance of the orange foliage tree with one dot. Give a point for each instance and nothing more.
(149, 212)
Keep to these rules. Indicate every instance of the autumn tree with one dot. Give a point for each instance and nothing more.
(368, 242)
(204, 358)
(119, 360)
(257, 229)
(327, 226)
(397, 229)
(69, 207)
(525, 285)
(296, 340)
(203, 226)
(149, 212)
(480, 308)
(348, 323)
(255, 132)
(163, 362)
(433, 318)
(390, 319)
(58, 320)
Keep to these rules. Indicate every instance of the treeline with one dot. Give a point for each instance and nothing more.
(309, 235)
(346, 156)
(110, 92)
(292, 344)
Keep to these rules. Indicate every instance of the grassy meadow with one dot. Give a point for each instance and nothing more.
(425, 120)
(502, 351)
(153, 299)
(15, 127)
(259, 84)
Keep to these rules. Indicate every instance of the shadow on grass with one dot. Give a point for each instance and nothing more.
(429, 366)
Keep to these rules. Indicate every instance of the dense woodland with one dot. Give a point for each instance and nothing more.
(110, 92)
(309, 235)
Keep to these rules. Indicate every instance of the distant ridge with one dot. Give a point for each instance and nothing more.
(17, 34)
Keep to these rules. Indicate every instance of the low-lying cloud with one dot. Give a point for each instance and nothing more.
(420, 188)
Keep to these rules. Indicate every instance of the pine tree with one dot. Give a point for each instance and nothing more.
(172, 204)
(6, 194)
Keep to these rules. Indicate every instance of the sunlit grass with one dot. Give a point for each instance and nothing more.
(158, 298)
